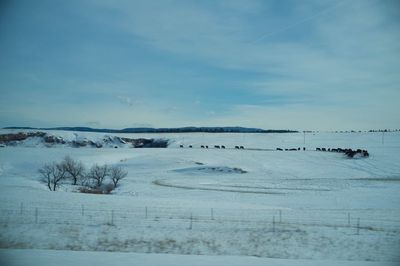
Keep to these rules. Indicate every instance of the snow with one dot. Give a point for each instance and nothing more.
(13, 257)
(225, 204)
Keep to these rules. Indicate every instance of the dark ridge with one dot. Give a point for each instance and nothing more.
(165, 130)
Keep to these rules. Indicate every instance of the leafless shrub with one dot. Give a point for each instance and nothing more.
(107, 189)
(90, 190)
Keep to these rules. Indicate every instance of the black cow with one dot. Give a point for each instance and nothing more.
(181, 146)
(304, 148)
(350, 153)
(236, 147)
(241, 147)
(222, 147)
(190, 146)
(279, 149)
(202, 146)
(206, 146)
(318, 149)
(323, 149)
(217, 147)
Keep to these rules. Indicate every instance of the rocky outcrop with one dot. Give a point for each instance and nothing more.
(13, 139)
(4, 138)
(53, 139)
(146, 143)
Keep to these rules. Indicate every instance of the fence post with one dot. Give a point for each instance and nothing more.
(36, 215)
(191, 222)
(273, 224)
(348, 219)
(280, 216)
(212, 214)
(358, 226)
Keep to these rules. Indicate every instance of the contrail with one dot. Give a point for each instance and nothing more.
(304, 20)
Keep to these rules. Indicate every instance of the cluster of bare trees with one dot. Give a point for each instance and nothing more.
(75, 172)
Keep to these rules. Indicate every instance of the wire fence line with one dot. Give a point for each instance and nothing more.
(201, 218)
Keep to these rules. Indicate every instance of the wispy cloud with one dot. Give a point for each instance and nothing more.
(125, 100)
(269, 64)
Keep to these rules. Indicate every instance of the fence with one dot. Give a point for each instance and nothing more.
(356, 221)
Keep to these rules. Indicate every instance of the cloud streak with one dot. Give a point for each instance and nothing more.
(313, 65)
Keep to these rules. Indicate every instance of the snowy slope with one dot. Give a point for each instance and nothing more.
(215, 201)
(51, 139)
(67, 258)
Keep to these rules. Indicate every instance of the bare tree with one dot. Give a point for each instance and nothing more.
(52, 175)
(98, 173)
(116, 174)
(46, 172)
(75, 169)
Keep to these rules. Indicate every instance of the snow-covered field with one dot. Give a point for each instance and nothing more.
(216, 202)
(23, 257)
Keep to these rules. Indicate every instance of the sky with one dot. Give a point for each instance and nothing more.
(305, 65)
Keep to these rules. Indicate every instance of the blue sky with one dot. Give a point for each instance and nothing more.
(307, 65)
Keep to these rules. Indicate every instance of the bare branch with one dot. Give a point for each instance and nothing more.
(116, 174)
(75, 169)
(98, 173)
(52, 175)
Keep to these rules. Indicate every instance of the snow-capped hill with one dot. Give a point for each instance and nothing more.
(38, 138)
(163, 130)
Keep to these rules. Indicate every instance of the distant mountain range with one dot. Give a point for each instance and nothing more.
(164, 130)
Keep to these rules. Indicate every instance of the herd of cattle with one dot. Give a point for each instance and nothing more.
(348, 152)
(292, 149)
(215, 147)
